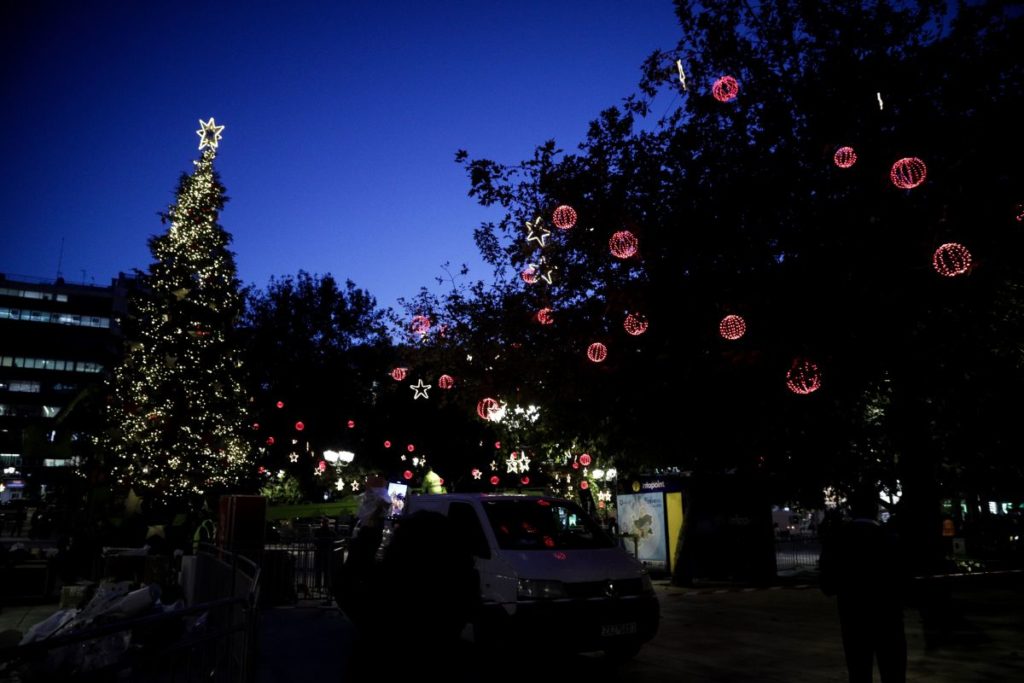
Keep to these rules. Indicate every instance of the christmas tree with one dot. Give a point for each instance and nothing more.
(177, 404)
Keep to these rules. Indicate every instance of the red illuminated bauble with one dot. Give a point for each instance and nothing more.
(495, 480)
(322, 465)
(732, 327)
(299, 426)
(256, 426)
(497, 445)
(908, 173)
(410, 447)
(407, 474)
(280, 404)
(725, 89)
(803, 376)
(564, 217)
(262, 469)
(845, 157)
(623, 244)
(486, 408)
(575, 465)
(525, 480)
(544, 316)
(387, 444)
(398, 374)
(584, 485)
(420, 324)
(951, 259)
(270, 441)
(529, 275)
(445, 382)
(585, 460)
(597, 352)
(351, 424)
(635, 324)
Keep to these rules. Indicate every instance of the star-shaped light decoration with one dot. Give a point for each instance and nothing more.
(512, 464)
(355, 486)
(536, 232)
(494, 465)
(294, 457)
(209, 133)
(340, 484)
(540, 272)
(318, 472)
(419, 389)
(476, 473)
(682, 74)
(604, 495)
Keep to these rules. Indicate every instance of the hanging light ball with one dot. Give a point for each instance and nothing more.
(398, 374)
(803, 376)
(322, 465)
(845, 157)
(525, 480)
(544, 316)
(529, 275)
(495, 480)
(584, 485)
(280, 404)
(299, 426)
(732, 327)
(908, 173)
(270, 441)
(351, 424)
(623, 244)
(407, 475)
(256, 426)
(725, 89)
(497, 445)
(585, 460)
(635, 324)
(387, 444)
(564, 217)
(951, 259)
(420, 324)
(597, 352)
(486, 408)
(410, 447)
(445, 382)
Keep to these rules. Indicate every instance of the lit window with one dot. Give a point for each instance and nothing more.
(27, 387)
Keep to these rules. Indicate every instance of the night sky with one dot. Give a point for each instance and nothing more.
(343, 119)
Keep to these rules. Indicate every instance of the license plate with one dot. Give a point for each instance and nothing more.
(612, 630)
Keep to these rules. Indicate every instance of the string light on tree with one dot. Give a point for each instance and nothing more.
(564, 217)
(725, 89)
(844, 157)
(635, 324)
(597, 352)
(951, 259)
(908, 173)
(545, 316)
(398, 374)
(803, 376)
(445, 382)
(623, 244)
(732, 327)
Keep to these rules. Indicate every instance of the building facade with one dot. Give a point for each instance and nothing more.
(57, 341)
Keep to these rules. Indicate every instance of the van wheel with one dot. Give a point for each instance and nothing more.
(624, 651)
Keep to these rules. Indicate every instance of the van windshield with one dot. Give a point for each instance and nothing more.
(542, 524)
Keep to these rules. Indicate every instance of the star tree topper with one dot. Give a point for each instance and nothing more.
(209, 133)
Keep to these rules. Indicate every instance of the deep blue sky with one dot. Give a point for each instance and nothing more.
(342, 119)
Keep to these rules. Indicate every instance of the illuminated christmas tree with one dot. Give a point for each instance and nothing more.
(177, 406)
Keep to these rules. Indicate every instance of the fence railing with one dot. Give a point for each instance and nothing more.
(797, 554)
(300, 570)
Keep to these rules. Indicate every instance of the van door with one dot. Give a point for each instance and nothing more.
(466, 520)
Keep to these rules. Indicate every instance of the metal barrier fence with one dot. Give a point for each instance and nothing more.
(300, 570)
(214, 639)
(797, 554)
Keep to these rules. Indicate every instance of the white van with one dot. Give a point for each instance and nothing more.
(548, 573)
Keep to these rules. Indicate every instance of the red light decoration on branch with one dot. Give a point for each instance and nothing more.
(732, 327)
(951, 259)
(387, 444)
(544, 316)
(845, 157)
(585, 460)
(270, 441)
(525, 480)
(299, 426)
(564, 217)
(398, 374)
(803, 376)
(487, 407)
(635, 324)
(597, 352)
(623, 244)
(256, 426)
(725, 89)
(280, 404)
(420, 324)
(908, 173)
(584, 485)
(410, 447)
(407, 475)
(445, 382)
(322, 465)
(351, 424)
(497, 445)
(529, 275)
(495, 480)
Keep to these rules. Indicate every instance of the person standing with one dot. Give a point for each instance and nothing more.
(861, 564)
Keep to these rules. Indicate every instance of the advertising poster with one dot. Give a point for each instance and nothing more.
(642, 516)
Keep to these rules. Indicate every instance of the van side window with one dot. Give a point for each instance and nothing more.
(467, 525)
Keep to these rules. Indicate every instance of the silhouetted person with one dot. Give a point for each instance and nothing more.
(862, 565)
